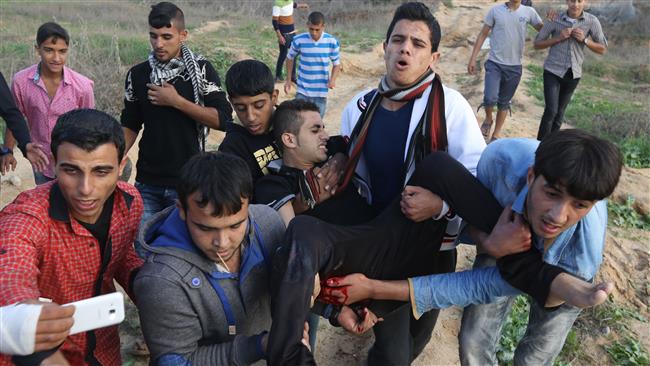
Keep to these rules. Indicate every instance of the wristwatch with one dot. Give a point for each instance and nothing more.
(5, 151)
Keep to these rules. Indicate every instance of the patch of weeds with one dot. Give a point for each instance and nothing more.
(628, 352)
(618, 117)
(17, 50)
(614, 315)
(221, 60)
(636, 152)
(624, 215)
(3, 125)
(513, 330)
(535, 83)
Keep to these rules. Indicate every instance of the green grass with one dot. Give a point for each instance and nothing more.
(628, 352)
(3, 126)
(624, 215)
(613, 113)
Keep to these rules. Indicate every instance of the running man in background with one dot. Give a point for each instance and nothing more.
(45, 91)
(507, 23)
(316, 50)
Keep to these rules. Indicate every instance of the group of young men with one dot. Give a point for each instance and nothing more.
(371, 215)
(566, 33)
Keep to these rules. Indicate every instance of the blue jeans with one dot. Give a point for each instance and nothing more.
(501, 83)
(321, 102)
(155, 199)
(481, 326)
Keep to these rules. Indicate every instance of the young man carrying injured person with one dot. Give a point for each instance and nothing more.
(557, 188)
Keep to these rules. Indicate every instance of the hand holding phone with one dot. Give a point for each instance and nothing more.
(97, 312)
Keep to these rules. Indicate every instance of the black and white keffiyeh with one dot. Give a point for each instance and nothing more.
(185, 66)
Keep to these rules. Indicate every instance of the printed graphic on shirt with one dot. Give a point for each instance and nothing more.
(264, 156)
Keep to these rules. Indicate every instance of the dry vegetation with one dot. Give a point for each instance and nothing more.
(110, 37)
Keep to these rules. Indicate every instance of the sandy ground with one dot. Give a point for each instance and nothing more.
(627, 258)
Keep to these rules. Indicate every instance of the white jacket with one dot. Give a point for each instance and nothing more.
(464, 142)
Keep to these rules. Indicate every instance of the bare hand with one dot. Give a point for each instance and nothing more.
(471, 67)
(7, 163)
(357, 323)
(37, 157)
(578, 34)
(288, 85)
(419, 204)
(552, 15)
(331, 84)
(565, 33)
(281, 39)
(329, 175)
(164, 95)
(53, 326)
(347, 290)
(510, 235)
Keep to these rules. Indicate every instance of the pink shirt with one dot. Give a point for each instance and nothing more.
(30, 94)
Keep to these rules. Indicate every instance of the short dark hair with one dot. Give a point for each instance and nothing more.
(88, 129)
(287, 118)
(222, 180)
(587, 166)
(417, 11)
(249, 78)
(162, 14)
(316, 18)
(51, 29)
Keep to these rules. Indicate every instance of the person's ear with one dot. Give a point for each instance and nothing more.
(121, 166)
(289, 140)
(530, 177)
(183, 35)
(435, 57)
(181, 210)
(274, 96)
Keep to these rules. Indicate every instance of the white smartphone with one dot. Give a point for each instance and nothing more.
(97, 312)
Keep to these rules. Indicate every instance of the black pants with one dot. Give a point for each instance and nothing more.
(400, 338)
(390, 247)
(284, 49)
(557, 95)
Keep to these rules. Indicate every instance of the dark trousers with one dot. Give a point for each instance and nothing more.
(400, 338)
(284, 49)
(557, 95)
(390, 247)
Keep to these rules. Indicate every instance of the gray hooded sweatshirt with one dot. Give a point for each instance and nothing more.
(192, 314)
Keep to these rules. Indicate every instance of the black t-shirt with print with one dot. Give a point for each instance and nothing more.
(256, 150)
(170, 137)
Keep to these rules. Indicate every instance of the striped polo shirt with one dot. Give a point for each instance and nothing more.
(315, 57)
(569, 53)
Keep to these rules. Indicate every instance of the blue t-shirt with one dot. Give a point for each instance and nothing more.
(384, 153)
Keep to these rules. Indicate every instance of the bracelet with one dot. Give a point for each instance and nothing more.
(584, 41)
(5, 151)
